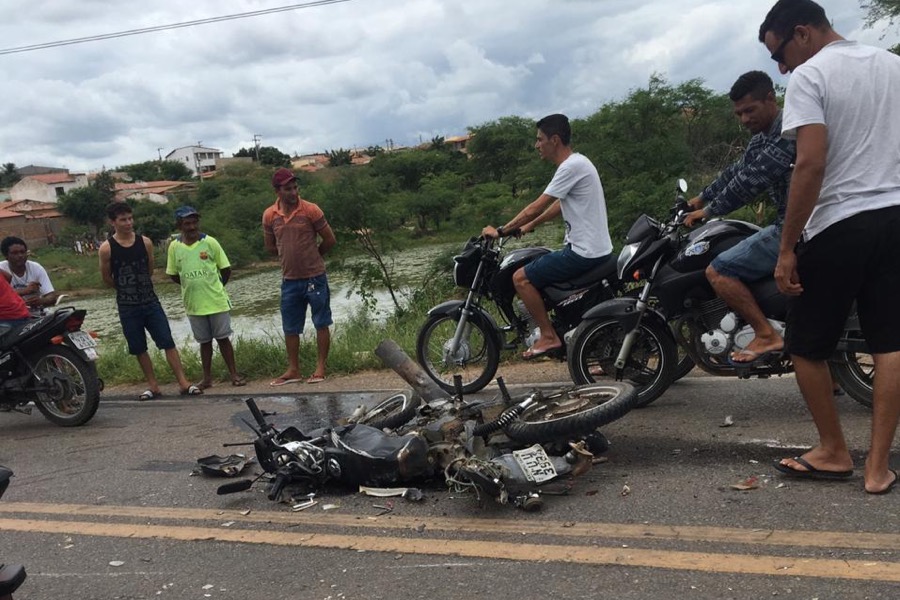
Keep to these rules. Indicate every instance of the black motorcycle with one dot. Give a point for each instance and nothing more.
(636, 338)
(50, 361)
(461, 337)
(11, 576)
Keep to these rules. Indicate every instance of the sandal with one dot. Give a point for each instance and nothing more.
(316, 379)
(148, 395)
(192, 391)
(239, 381)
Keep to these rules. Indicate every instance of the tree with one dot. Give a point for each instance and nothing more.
(500, 148)
(268, 155)
(158, 170)
(339, 157)
(10, 176)
(87, 205)
(876, 10)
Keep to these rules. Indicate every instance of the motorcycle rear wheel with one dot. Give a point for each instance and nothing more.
(572, 412)
(596, 344)
(392, 412)
(73, 393)
(476, 360)
(856, 374)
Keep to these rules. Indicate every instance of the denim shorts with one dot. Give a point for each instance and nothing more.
(296, 295)
(207, 328)
(150, 317)
(751, 259)
(562, 265)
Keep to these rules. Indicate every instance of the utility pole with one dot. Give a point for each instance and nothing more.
(159, 153)
(256, 139)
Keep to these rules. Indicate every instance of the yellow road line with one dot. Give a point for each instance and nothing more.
(588, 555)
(568, 529)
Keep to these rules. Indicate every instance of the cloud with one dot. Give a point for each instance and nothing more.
(348, 74)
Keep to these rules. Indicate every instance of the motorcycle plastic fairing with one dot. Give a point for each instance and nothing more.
(643, 227)
(625, 311)
(501, 284)
(708, 242)
(677, 291)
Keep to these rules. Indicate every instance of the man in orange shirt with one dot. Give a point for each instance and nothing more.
(296, 230)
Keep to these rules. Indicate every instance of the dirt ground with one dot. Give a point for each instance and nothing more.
(513, 373)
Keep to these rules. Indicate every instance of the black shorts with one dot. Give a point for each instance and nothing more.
(854, 259)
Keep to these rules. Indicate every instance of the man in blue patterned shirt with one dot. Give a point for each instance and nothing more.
(764, 167)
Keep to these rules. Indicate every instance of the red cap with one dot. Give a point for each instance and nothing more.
(282, 176)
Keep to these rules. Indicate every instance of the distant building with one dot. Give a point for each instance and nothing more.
(38, 223)
(199, 159)
(36, 170)
(48, 187)
(459, 142)
(154, 191)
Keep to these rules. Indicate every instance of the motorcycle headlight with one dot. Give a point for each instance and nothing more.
(625, 257)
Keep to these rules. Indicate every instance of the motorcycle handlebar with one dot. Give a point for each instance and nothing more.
(277, 486)
(257, 414)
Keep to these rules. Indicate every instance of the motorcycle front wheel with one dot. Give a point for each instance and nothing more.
(856, 374)
(66, 388)
(595, 346)
(476, 360)
(572, 412)
(392, 412)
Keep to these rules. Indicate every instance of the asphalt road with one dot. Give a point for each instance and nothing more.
(111, 511)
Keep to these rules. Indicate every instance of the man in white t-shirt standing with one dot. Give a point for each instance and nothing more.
(29, 279)
(841, 236)
(576, 193)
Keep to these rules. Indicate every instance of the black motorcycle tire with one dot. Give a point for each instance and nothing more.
(392, 412)
(476, 376)
(685, 363)
(72, 370)
(856, 375)
(572, 412)
(605, 335)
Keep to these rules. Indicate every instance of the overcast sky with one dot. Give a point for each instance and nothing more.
(351, 74)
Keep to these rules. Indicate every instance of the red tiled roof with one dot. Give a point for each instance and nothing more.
(52, 178)
(8, 214)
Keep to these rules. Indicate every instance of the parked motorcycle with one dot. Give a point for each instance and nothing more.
(11, 576)
(461, 337)
(635, 338)
(50, 361)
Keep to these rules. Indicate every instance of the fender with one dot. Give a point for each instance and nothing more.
(625, 312)
(453, 308)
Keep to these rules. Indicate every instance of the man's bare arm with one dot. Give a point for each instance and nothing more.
(105, 266)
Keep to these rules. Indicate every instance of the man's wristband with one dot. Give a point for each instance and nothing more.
(500, 231)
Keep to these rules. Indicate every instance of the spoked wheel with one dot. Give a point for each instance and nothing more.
(596, 345)
(856, 373)
(572, 412)
(475, 360)
(392, 412)
(66, 388)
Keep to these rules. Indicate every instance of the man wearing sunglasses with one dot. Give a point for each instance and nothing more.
(840, 241)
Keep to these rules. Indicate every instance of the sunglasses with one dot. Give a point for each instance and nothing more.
(778, 55)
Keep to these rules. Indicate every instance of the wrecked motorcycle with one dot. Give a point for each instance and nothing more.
(50, 361)
(11, 576)
(421, 441)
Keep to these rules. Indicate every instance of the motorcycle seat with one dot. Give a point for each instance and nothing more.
(604, 270)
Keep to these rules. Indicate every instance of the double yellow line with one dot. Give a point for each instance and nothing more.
(412, 538)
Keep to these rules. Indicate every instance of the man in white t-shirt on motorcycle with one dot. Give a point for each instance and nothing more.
(575, 192)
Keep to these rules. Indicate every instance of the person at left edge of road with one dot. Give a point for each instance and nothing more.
(764, 167)
(13, 310)
(292, 228)
(126, 265)
(197, 262)
(29, 279)
(575, 192)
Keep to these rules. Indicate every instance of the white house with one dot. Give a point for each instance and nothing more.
(47, 188)
(198, 159)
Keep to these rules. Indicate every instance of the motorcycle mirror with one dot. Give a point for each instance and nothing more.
(682, 185)
(233, 488)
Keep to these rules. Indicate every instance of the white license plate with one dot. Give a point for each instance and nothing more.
(82, 340)
(535, 463)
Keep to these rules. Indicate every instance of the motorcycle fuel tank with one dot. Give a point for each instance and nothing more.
(513, 261)
(709, 241)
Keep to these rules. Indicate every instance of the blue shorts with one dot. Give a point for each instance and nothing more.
(149, 317)
(751, 259)
(562, 265)
(296, 295)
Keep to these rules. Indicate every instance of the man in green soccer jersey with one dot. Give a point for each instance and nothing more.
(198, 263)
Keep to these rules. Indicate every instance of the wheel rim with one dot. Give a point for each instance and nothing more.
(469, 361)
(570, 402)
(862, 368)
(395, 404)
(599, 354)
(66, 392)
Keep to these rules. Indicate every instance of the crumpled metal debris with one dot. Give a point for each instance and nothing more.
(223, 466)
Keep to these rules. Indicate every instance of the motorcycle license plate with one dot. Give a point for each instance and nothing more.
(82, 340)
(535, 463)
